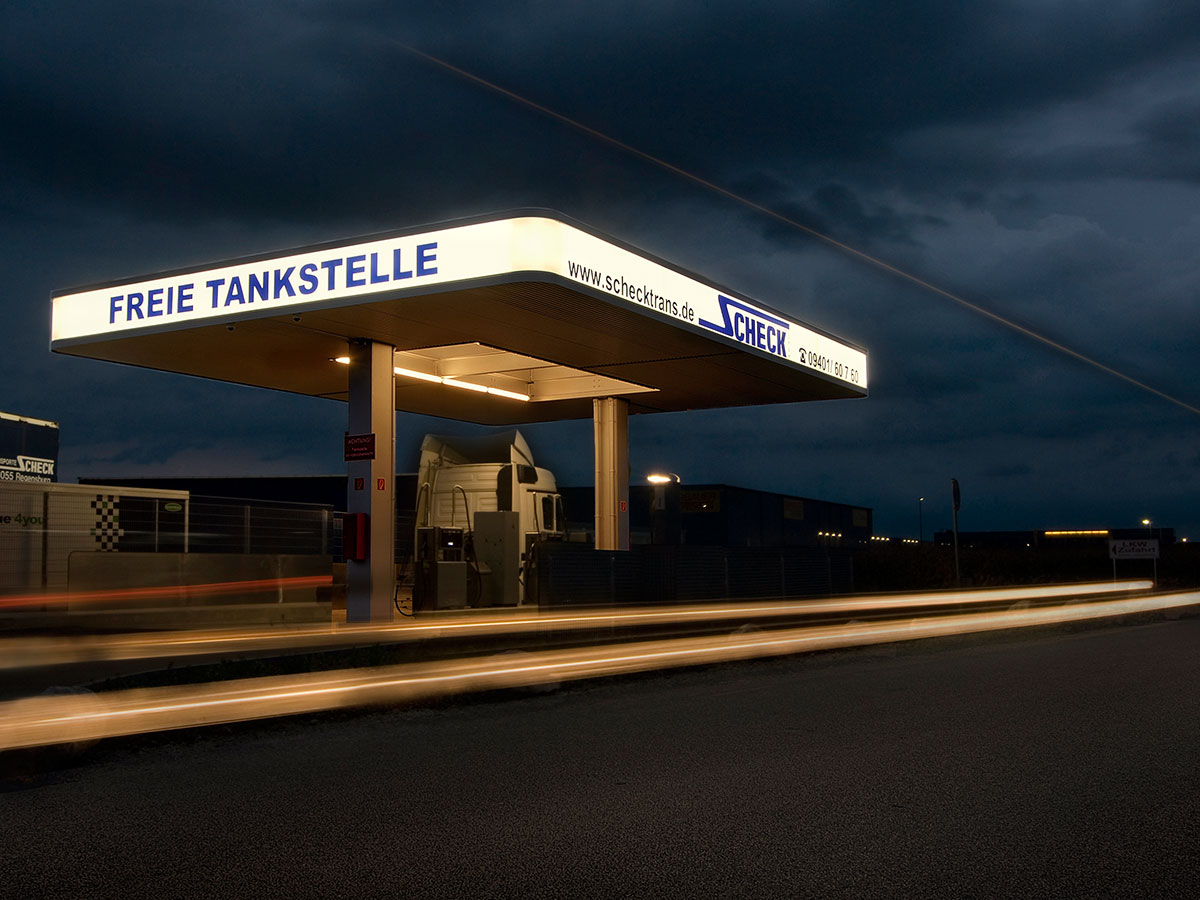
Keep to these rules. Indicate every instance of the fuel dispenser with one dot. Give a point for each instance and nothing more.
(440, 572)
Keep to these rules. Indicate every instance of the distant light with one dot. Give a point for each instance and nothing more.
(660, 478)
(1145, 521)
(1092, 533)
(344, 360)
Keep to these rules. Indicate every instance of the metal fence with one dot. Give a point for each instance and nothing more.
(568, 574)
(225, 525)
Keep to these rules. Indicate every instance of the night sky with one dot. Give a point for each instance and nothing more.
(1039, 158)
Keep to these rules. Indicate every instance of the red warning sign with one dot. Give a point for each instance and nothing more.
(360, 446)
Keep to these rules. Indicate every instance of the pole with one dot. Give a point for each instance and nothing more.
(921, 519)
(610, 426)
(1154, 561)
(956, 502)
(957, 574)
(370, 481)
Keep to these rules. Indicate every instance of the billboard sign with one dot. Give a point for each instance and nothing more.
(28, 449)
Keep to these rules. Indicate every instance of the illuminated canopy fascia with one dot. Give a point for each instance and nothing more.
(528, 283)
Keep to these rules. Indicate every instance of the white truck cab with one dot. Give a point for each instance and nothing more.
(490, 488)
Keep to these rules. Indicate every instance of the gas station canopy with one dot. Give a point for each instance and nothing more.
(521, 317)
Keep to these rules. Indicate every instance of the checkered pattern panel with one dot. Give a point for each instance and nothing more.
(107, 529)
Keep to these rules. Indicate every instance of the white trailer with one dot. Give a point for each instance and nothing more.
(42, 524)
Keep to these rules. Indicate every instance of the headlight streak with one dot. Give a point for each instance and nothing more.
(174, 592)
(23, 652)
(57, 719)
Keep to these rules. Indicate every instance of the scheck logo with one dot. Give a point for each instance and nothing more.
(35, 466)
(748, 325)
(26, 469)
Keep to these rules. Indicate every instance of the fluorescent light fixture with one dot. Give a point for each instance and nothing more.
(467, 385)
(423, 376)
(451, 382)
(511, 395)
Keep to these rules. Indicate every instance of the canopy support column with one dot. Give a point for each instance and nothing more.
(610, 422)
(370, 488)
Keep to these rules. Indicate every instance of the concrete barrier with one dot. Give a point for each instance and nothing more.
(201, 588)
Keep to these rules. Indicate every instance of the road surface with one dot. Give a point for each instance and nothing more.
(1028, 765)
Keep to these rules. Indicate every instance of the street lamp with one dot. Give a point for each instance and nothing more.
(921, 518)
(665, 523)
(1150, 536)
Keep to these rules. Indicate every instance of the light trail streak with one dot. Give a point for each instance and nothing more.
(26, 652)
(848, 249)
(165, 592)
(39, 721)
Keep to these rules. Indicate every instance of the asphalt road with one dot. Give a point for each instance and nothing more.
(1047, 765)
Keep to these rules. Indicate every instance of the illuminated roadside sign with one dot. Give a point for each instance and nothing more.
(534, 246)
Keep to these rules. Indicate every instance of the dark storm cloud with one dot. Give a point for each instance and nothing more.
(1090, 290)
(1175, 127)
(302, 108)
(221, 110)
(832, 208)
(808, 87)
